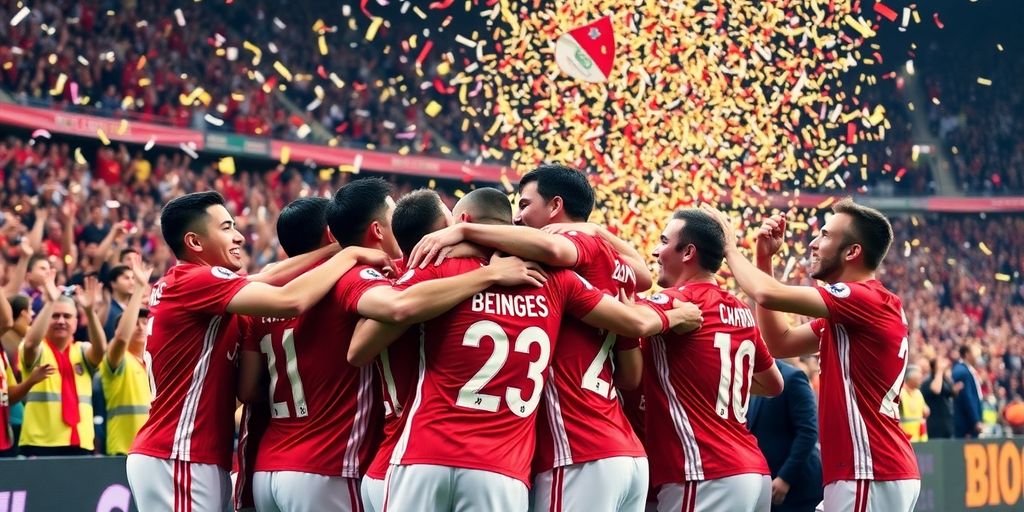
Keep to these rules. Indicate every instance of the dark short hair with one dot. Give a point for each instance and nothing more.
(300, 225)
(487, 206)
(870, 229)
(36, 258)
(964, 350)
(705, 234)
(184, 214)
(565, 182)
(125, 252)
(114, 273)
(416, 215)
(19, 303)
(355, 206)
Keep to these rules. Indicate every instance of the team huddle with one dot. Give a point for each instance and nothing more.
(410, 358)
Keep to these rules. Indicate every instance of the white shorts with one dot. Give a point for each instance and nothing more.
(418, 487)
(163, 484)
(612, 484)
(748, 492)
(372, 492)
(295, 491)
(871, 496)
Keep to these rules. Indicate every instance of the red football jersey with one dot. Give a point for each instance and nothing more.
(581, 418)
(482, 372)
(194, 366)
(697, 389)
(398, 367)
(863, 361)
(323, 411)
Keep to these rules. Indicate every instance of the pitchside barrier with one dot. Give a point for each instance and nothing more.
(985, 475)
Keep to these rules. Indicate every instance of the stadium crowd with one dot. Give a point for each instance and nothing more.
(958, 274)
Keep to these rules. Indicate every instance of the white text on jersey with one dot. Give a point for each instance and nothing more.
(532, 306)
(738, 317)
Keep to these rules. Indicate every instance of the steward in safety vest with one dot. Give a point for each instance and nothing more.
(124, 371)
(58, 410)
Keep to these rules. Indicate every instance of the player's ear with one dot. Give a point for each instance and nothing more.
(689, 252)
(328, 236)
(465, 217)
(193, 242)
(556, 205)
(376, 231)
(853, 252)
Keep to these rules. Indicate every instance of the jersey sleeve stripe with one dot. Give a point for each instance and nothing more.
(182, 445)
(403, 441)
(862, 463)
(364, 403)
(693, 466)
(559, 437)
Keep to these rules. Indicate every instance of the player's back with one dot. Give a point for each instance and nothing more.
(324, 408)
(582, 419)
(191, 417)
(482, 372)
(863, 361)
(697, 389)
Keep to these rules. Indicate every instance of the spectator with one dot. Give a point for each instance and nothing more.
(58, 414)
(938, 394)
(123, 371)
(967, 421)
(39, 271)
(11, 391)
(122, 285)
(913, 409)
(786, 428)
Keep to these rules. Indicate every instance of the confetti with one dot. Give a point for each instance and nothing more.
(102, 136)
(189, 149)
(286, 153)
(1003, 277)
(984, 248)
(41, 133)
(984, 81)
(122, 127)
(226, 165)
(179, 17)
(322, 43)
(20, 16)
(884, 11)
(433, 108)
(149, 144)
(938, 22)
(79, 158)
(283, 71)
(371, 32)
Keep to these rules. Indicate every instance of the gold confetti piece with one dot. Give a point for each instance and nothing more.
(122, 127)
(102, 136)
(1003, 277)
(58, 88)
(226, 165)
(286, 153)
(459, 193)
(984, 248)
(433, 108)
(322, 43)
(283, 71)
(984, 81)
(999, 46)
(79, 158)
(371, 32)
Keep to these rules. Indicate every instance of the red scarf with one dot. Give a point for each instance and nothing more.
(68, 391)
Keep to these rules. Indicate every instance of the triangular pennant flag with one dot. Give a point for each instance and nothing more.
(587, 53)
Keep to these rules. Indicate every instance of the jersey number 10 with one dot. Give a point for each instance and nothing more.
(731, 379)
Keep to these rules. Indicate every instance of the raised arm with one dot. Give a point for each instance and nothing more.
(283, 272)
(17, 392)
(6, 313)
(37, 331)
(432, 298)
(13, 286)
(525, 242)
(763, 288)
(89, 298)
(303, 292)
(130, 317)
(35, 236)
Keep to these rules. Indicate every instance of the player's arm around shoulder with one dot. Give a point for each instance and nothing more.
(370, 339)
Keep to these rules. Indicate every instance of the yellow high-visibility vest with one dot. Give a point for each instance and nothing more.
(126, 389)
(44, 420)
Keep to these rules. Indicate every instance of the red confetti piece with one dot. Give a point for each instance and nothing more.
(443, 4)
(938, 22)
(885, 11)
(362, 7)
(851, 133)
(423, 53)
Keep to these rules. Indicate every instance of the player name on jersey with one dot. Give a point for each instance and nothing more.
(523, 306)
(736, 317)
